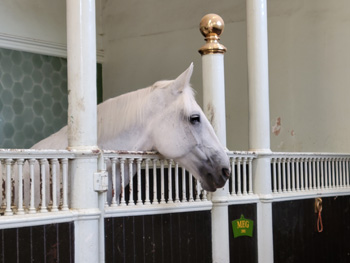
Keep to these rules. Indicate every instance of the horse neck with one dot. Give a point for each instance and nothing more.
(121, 121)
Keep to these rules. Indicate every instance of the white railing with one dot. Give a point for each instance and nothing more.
(157, 183)
(33, 181)
(309, 173)
(241, 179)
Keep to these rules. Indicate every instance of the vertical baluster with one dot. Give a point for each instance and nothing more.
(340, 172)
(283, 161)
(347, 172)
(114, 181)
(43, 208)
(314, 174)
(274, 175)
(343, 173)
(233, 176)
(318, 173)
(325, 173)
(122, 180)
(245, 176)
(155, 198)
(293, 174)
(54, 207)
(302, 178)
(184, 199)
(131, 183)
(170, 187)
(204, 196)
(310, 174)
(322, 172)
(333, 173)
(336, 173)
(32, 209)
(162, 193)
(64, 168)
(177, 198)
(190, 186)
(330, 174)
(279, 175)
(288, 165)
(20, 210)
(147, 200)
(239, 176)
(297, 175)
(250, 160)
(306, 174)
(8, 211)
(139, 188)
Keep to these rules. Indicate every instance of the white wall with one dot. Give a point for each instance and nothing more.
(308, 52)
(39, 26)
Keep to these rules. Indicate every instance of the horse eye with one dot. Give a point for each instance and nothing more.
(195, 118)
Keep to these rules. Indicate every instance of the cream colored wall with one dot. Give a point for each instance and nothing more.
(309, 63)
(39, 21)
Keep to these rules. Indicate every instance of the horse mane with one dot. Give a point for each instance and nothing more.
(119, 113)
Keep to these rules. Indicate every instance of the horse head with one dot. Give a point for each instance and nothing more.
(181, 131)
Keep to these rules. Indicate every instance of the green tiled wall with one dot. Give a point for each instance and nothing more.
(33, 97)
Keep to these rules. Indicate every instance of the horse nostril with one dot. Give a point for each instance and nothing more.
(225, 173)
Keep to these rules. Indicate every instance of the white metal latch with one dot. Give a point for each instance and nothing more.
(101, 181)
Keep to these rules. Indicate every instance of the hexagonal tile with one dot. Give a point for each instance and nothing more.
(57, 109)
(56, 79)
(38, 108)
(28, 99)
(38, 124)
(6, 97)
(18, 90)
(37, 76)
(6, 64)
(16, 73)
(47, 85)
(48, 116)
(6, 80)
(37, 92)
(18, 122)
(56, 63)
(57, 94)
(17, 106)
(7, 113)
(47, 100)
(28, 115)
(29, 130)
(27, 67)
(27, 83)
(19, 138)
(47, 69)
(37, 61)
(16, 57)
(8, 130)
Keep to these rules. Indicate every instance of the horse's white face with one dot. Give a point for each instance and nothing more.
(180, 131)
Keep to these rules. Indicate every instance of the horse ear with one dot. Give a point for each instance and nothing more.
(183, 80)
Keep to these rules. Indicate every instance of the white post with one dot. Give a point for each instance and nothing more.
(259, 121)
(212, 53)
(82, 126)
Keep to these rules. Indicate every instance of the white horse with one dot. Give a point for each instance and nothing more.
(165, 118)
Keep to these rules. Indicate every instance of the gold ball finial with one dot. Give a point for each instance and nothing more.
(211, 27)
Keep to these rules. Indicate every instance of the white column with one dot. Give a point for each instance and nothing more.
(212, 53)
(259, 121)
(82, 126)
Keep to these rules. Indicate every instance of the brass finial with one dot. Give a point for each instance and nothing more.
(211, 26)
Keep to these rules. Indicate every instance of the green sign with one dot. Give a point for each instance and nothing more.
(242, 227)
